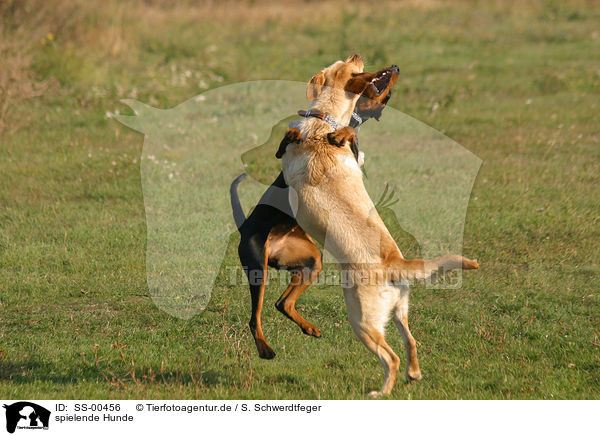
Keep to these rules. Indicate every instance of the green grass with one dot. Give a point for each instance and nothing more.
(517, 85)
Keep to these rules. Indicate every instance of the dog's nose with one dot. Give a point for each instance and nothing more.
(396, 67)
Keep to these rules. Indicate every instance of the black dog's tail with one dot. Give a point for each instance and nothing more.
(236, 206)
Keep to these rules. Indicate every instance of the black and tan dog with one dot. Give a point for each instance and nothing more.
(270, 236)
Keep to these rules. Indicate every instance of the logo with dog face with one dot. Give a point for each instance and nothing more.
(26, 415)
(419, 179)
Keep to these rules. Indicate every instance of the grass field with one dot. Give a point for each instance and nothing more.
(517, 84)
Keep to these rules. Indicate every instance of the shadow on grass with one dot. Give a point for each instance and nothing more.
(114, 375)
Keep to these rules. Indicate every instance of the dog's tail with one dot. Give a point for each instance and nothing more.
(236, 206)
(422, 269)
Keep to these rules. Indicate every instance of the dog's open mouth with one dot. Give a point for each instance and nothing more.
(383, 78)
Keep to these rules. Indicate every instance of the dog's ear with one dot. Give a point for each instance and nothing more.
(359, 83)
(356, 57)
(315, 85)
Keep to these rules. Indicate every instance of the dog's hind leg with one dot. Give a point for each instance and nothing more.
(368, 314)
(400, 316)
(257, 294)
(286, 304)
(301, 255)
(257, 275)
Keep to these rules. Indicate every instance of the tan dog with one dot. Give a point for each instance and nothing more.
(335, 209)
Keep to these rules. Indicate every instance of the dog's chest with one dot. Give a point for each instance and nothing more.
(350, 164)
(294, 166)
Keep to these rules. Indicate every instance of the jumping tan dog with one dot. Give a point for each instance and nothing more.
(335, 209)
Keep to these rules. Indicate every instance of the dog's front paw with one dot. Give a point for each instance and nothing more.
(375, 394)
(292, 135)
(341, 137)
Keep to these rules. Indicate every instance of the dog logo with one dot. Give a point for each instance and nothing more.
(26, 415)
